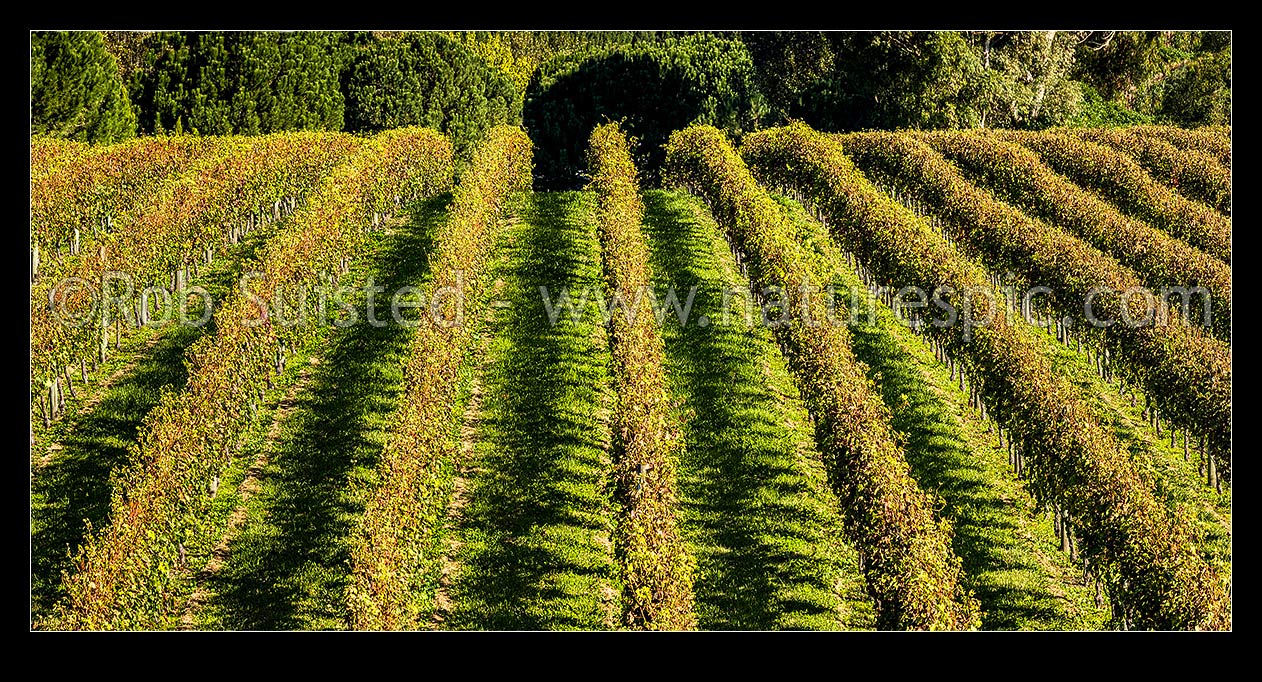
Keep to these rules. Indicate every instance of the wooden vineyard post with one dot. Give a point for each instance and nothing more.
(1064, 529)
(1212, 478)
(1200, 459)
(44, 408)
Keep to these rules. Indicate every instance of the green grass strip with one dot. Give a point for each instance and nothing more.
(756, 505)
(1011, 559)
(535, 534)
(288, 565)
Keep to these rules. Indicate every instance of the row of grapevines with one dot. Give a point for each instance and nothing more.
(71, 206)
(51, 153)
(1018, 176)
(656, 565)
(203, 212)
(912, 573)
(124, 572)
(1212, 140)
(1146, 557)
(75, 209)
(1187, 372)
(1190, 172)
(394, 547)
(1128, 186)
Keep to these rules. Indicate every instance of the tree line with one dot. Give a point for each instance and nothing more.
(104, 87)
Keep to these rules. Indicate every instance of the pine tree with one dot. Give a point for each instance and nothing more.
(430, 80)
(76, 91)
(241, 83)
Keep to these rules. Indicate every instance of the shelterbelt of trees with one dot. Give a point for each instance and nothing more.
(106, 87)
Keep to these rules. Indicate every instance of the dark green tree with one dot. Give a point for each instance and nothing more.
(427, 79)
(890, 80)
(896, 80)
(1025, 78)
(657, 87)
(245, 83)
(786, 64)
(76, 91)
(1118, 64)
(209, 111)
(519, 53)
(1178, 77)
(1198, 92)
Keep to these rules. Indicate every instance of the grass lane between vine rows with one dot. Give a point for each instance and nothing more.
(533, 530)
(1011, 557)
(756, 506)
(1178, 482)
(287, 566)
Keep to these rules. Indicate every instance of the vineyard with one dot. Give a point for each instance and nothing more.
(948, 380)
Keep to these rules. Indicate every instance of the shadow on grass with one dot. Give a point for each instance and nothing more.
(1175, 481)
(1004, 550)
(534, 534)
(288, 566)
(74, 488)
(1004, 576)
(767, 531)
